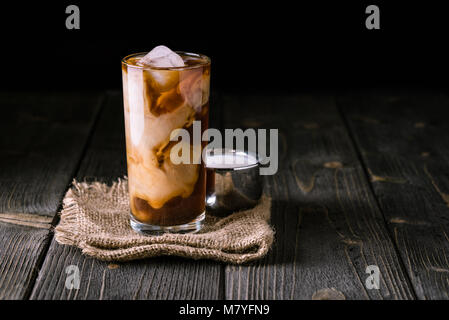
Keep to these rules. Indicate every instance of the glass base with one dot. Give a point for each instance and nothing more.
(149, 229)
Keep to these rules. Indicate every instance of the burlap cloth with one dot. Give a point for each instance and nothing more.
(95, 218)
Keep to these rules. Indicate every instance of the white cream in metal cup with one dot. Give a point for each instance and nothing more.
(233, 180)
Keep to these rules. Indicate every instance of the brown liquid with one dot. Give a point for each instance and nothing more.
(157, 102)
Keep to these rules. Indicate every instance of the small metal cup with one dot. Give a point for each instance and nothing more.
(232, 187)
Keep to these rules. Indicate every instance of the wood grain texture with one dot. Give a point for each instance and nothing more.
(404, 144)
(154, 278)
(158, 278)
(42, 137)
(21, 251)
(328, 225)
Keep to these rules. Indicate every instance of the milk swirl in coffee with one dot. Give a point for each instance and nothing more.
(164, 91)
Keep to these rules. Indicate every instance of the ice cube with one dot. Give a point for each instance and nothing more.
(162, 80)
(162, 57)
(190, 87)
(136, 104)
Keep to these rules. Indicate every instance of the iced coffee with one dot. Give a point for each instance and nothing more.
(164, 91)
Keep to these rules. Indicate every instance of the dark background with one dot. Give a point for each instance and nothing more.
(291, 46)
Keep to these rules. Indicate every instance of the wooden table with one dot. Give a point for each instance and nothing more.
(363, 180)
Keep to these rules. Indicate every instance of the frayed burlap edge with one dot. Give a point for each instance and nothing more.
(89, 208)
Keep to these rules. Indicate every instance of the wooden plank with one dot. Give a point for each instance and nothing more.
(404, 143)
(328, 225)
(42, 137)
(21, 251)
(158, 278)
(155, 278)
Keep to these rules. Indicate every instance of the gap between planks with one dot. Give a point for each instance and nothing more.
(369, 180)
(55, 219)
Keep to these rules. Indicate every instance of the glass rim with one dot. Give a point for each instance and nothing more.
(202, 64)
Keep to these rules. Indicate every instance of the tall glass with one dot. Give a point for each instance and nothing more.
(164, 196)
